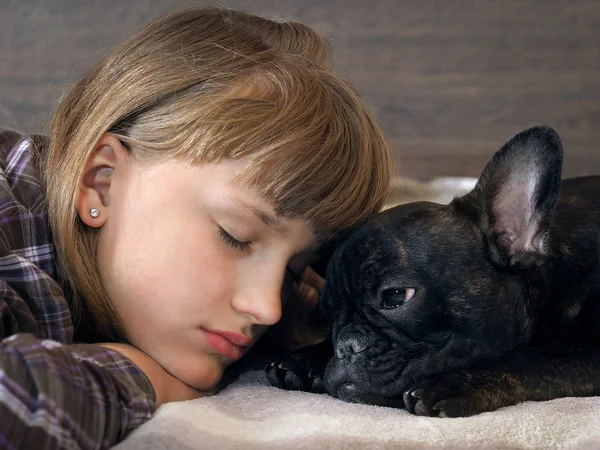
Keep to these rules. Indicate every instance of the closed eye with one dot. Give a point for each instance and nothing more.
(233, 242)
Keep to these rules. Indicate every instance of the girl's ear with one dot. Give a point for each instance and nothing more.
(93, 204)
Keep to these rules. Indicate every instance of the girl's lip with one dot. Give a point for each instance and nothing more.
(234, 338)
(221, 342)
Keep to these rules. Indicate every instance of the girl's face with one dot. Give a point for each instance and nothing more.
(194, 264)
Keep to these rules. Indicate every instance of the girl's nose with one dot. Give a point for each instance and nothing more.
(261, 301)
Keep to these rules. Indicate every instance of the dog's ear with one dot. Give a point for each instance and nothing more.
(515, 197)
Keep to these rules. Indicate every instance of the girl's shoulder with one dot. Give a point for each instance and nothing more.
(21, 183)
(8, 139)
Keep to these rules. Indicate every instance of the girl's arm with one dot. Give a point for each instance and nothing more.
(55, 395)
(68, 396)
(167, 387)
(79, 395)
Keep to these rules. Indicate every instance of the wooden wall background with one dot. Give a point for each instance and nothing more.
(450, 80)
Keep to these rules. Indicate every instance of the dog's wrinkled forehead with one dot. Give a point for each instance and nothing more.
(413, 231)
(417, 244)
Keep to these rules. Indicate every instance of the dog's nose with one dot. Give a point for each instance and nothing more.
(350, 346)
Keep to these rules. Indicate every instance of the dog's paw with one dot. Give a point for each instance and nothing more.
(286, 373)
(426, 402)
(446, 396)
(302, 370)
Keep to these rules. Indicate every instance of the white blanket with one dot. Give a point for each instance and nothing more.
(250, 414)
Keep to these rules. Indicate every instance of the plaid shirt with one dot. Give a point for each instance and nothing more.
(54, 393)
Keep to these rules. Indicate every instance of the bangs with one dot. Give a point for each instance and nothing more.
(313, 149)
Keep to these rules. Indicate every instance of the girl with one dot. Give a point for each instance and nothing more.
(188, 181)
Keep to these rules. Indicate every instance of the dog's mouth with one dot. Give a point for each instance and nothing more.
(340, 382)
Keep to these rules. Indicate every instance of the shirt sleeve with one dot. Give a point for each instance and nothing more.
(53, 393)
(68, 396)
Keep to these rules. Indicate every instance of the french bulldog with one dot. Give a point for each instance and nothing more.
(454, 310)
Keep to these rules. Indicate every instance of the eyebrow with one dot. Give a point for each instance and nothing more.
(267, 219)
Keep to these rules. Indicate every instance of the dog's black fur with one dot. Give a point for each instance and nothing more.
(506, 304)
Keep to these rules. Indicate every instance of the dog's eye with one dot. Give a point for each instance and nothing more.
(394, 297)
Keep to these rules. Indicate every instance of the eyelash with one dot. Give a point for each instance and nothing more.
(233, 242)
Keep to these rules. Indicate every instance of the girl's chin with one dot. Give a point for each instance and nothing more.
(204, 373)
(211, 377)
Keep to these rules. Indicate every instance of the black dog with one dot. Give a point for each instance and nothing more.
(455, 310)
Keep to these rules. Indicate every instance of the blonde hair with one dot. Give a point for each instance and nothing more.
(204, 85)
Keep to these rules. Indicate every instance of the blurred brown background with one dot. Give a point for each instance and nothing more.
(450, 80)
